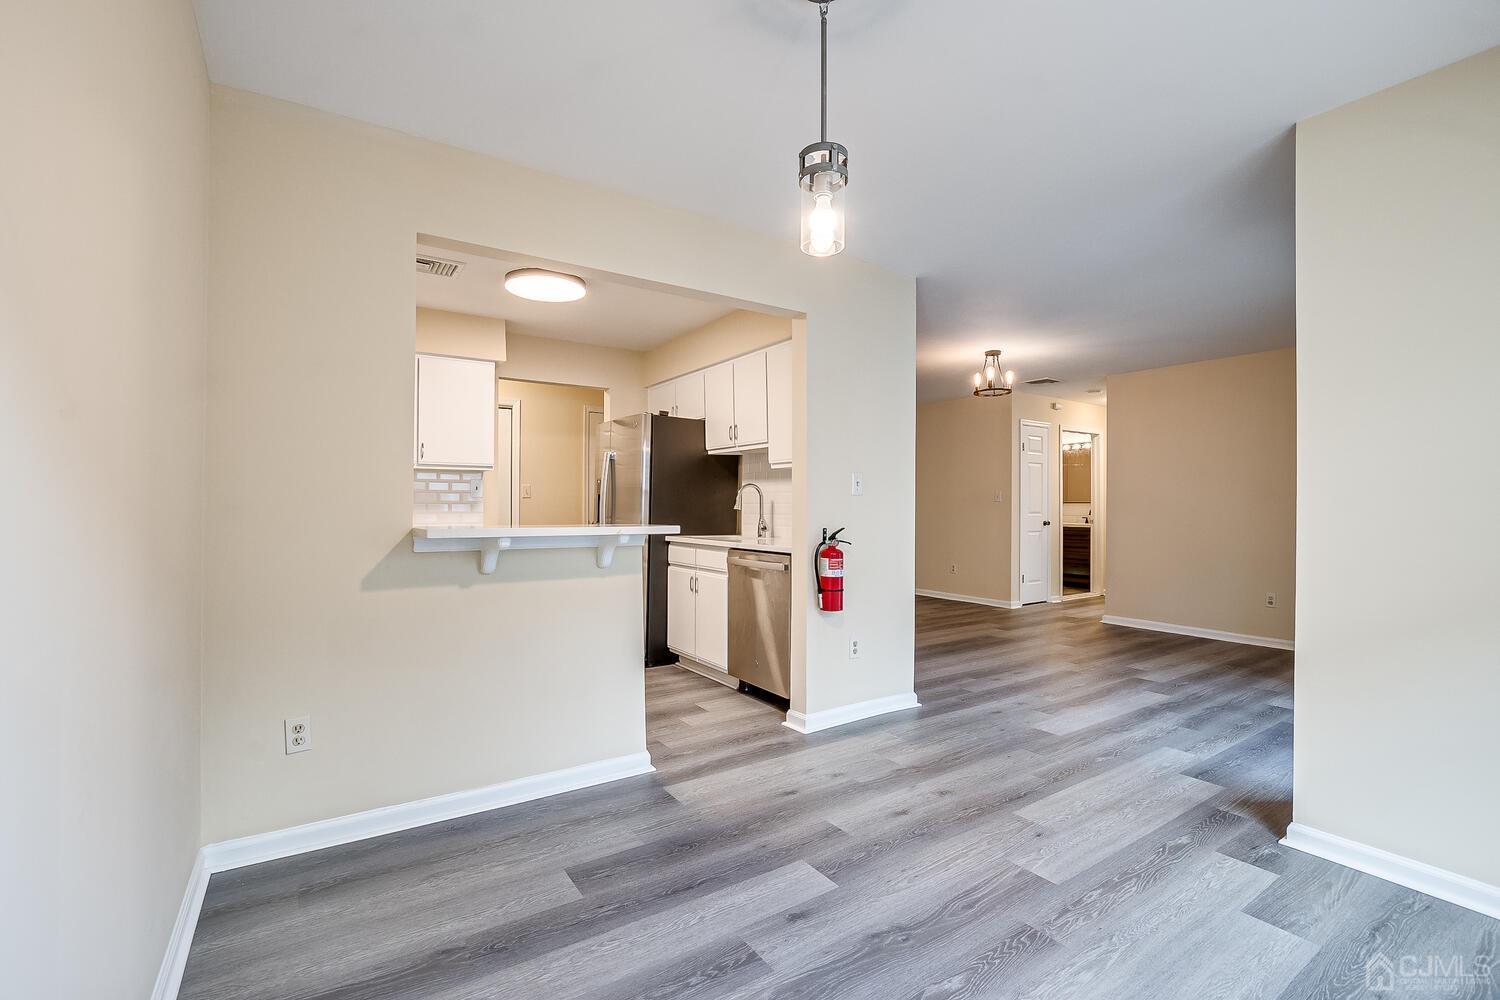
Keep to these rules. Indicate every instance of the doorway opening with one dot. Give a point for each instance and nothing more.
(1081, 492)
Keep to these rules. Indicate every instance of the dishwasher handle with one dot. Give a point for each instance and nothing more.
(760, 564)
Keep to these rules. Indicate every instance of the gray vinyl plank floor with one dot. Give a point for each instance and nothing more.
(1076, 810)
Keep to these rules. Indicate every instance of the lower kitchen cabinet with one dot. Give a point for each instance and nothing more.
(698, 605)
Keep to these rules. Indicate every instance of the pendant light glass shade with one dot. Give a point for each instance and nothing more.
(823, 213)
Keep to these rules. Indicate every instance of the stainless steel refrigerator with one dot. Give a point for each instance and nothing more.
(651, 469)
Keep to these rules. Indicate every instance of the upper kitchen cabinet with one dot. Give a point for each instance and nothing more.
(750, 400)
(735, 404)
(779, 405)
(681, 397)
(455, 419)
(718, 407)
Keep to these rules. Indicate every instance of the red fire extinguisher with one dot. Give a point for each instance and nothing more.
(828, 568)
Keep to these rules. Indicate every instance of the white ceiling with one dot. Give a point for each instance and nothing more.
(613, 313)
(1093, 186)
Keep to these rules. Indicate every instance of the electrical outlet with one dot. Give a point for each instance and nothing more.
(298, 734)
(1270, 599)
(999, 497)
(857, 485)
(953, 567)
(853, 649)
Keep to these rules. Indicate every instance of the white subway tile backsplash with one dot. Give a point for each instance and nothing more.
(447, 498)
(776, 484)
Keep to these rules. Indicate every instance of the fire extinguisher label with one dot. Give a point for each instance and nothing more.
(824, 569)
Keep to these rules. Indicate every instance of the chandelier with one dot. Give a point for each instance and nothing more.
(990, 380)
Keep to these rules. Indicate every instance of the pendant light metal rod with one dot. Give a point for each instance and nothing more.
(823, 18)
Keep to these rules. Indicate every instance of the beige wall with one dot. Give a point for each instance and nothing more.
(617, 371)
(740, 332)
(460, 335)
(552, 442)
(1398, 674)
(965, 459)
(963, 462)
(103, 190)
(1202, 494)
(335, 616)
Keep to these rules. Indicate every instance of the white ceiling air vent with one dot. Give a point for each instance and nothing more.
(438, 267)
(1044, 380)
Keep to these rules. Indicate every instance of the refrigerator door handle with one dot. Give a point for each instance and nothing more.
(607, 489)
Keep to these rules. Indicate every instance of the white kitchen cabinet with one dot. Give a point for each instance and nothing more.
(689, 396)
(711, 627)
(698, 605)
(718, 406)
(662, 398)
(750, 400)
(455, 413)
(779, 405)
(682, 615)
(680, 397)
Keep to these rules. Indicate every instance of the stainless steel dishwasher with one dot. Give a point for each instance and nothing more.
(760, 620)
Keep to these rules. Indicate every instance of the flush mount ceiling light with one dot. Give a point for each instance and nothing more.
(541, 285)
(823, 174)
(990, 380)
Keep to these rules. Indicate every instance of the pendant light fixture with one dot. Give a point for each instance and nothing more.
(823, 173)
(990, 380)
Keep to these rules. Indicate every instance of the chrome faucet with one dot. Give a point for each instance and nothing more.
(761, 531)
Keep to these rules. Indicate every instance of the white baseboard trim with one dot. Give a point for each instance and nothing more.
(1461, 890)
(174, 961)
(817, 721)
(406, 815)
(988, 602)
(1201, 633)
(252, 850)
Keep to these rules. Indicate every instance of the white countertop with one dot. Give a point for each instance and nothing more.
(781, 545)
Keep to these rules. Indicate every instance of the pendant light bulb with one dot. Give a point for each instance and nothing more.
(1010, 376)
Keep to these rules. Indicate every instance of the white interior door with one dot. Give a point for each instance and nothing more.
(499, 505)
(1036, 512)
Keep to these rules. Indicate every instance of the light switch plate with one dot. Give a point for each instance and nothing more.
(857, 485)
(525, 491)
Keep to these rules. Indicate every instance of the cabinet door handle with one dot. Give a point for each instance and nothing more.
(421, 451)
